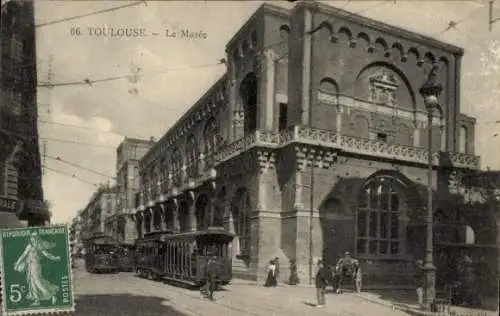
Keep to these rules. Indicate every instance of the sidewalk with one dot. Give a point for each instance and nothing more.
(404, 301)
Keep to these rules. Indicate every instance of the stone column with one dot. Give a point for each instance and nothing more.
(191, 211)
(175, 215)
(163, 224)
(143, 222)
(151, 219)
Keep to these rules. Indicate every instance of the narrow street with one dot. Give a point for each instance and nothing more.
(124, 294)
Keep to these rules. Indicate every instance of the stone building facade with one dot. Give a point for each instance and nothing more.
(121, 223)
(312, 144)
(101, 206)
(20, 167)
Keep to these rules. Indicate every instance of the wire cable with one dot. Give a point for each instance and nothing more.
(79, 167)
(74, 176)
(77, 143)
(79, 127)
(133, 76)
(91, 14)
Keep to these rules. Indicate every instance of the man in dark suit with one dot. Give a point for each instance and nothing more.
(323, 277)
(212, 273)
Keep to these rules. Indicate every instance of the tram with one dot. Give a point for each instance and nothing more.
(183, 257)
(101, 254)
(126, 257)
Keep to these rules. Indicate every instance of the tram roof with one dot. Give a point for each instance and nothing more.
(205, 232)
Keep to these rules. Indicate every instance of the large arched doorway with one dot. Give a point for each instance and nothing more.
(157, 218)
(248, 93)
(202, 204)
(138, 224)
(240, 210)
(147, 221)
(120, 227)
(169, 216)
(183, 216)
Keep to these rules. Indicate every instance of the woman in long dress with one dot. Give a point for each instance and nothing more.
(271, 274)
(38, 288)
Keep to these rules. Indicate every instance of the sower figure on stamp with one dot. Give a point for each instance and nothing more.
(39, 289)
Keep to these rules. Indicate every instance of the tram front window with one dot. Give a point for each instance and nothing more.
(214, 249)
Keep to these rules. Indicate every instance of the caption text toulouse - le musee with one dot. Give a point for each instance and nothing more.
(131, 32)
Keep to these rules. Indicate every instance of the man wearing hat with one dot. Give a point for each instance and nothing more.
(323, 277)
(212, 275)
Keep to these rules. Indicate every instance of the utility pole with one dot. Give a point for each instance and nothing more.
(47, 113)
(491, 19)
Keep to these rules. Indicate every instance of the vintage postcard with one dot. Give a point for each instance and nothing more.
(250, 157)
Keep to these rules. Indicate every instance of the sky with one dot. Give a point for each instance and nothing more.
(81, 125)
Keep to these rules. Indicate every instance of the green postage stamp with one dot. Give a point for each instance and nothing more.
(36, 271)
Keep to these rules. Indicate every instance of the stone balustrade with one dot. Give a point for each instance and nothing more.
(313, 136)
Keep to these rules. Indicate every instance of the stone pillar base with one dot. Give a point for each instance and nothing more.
(429, 285)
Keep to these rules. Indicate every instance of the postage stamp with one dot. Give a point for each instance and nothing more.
(36, 271)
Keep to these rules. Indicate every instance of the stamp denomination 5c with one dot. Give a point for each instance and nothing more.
(36, 271)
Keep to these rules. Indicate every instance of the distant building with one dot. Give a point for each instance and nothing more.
(121, 224)
(93, 216)
(314, 143)
(20, 168)
(75, 233)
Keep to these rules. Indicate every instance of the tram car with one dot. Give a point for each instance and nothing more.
(183, 257)
(126, 257)
(101, 254)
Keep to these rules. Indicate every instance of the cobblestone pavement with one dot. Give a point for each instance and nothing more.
(124, 294)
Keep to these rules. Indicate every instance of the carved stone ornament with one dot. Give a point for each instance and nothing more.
(383, 88)
(267, 160)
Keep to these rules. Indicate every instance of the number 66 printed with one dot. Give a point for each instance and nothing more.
(16, 293)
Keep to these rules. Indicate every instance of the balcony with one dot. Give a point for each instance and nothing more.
(182, 180)
(350, 144)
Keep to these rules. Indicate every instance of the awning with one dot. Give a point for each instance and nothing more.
(24, 209)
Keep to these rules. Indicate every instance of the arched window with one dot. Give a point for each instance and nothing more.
(211, 135)
(241, 218)
(248, 93)
(192, 155)
(462, 148)
(378, 218)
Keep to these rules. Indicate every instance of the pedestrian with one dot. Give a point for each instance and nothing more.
(271, 274)
(419, 282)
(212, 275)
(323, 277)
(277, 271)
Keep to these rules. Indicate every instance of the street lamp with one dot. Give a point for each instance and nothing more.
(430, 91)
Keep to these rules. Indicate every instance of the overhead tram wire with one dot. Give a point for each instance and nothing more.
(80, 167)
(90, 82)
(74, 176)
(77, 143)
(80, 127)
(91, 14)
(453, 26)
